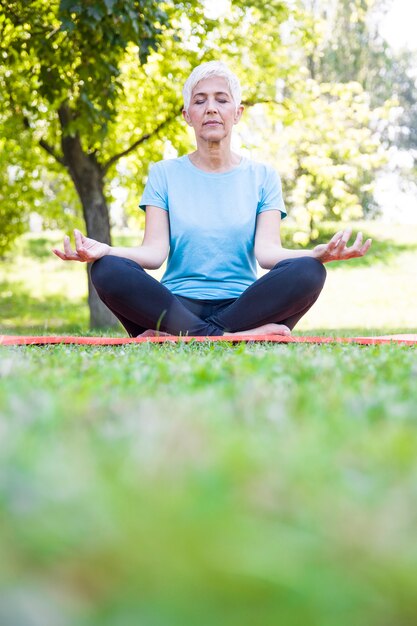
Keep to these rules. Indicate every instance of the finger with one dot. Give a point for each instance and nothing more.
(336, 237)
(344, 238)
(78, 235)
(60, 254)
(356, 244)
(358, 250)
(78, 240)
(334, 241)
(67, 246)
(70, 254)
(366, 246)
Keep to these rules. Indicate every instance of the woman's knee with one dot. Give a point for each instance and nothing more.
(113, 276)
(101, 270)
(110, 272)
(309, 270)
(315, 270)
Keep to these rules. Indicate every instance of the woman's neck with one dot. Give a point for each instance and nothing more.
(211, 158)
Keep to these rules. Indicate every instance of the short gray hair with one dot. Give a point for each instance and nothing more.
(205, 70)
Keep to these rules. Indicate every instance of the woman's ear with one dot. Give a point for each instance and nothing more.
(238, 113)
(186, 117)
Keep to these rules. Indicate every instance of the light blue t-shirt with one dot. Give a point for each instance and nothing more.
(212, 220)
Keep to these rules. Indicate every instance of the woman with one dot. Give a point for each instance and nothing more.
(216, 213)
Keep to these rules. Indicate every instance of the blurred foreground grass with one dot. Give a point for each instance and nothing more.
(205, 484)
(208, 484)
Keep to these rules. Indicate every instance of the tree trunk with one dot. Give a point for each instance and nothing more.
(87, 176)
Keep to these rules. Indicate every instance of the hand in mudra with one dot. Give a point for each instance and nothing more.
(86, 250)
(337, 249)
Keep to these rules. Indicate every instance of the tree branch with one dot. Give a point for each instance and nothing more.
(251, 103)
(45, 145)
(49, 149)
(142, 139)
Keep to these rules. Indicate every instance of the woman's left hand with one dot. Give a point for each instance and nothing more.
(86, 250)
(337, 249)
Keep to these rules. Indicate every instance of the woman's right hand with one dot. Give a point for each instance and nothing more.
(86, 250)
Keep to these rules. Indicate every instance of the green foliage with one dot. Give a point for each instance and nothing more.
(333, 155)
(402, 82)
(61, 77)
(327, 149)
(349, 47)
(85, 56)
(12, 218)
(73, 50)
(30, 183)
(334, 141)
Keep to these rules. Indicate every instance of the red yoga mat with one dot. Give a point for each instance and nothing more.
(24, 340)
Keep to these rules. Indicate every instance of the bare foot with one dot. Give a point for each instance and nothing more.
(154, 333)
(266, 329)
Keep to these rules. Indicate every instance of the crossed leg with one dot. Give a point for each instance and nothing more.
(272, 304)
(140, 302)
(279, 298)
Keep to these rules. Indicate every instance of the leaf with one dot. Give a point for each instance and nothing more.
(67, 25)
(69, 6)
(95, 12)
(109, 6)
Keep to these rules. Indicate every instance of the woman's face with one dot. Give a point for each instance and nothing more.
(212, 112)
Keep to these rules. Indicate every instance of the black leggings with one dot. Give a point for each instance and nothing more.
(140, 302)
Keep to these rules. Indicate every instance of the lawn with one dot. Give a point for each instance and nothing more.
(208, 484)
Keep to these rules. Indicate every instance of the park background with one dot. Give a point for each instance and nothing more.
(207, 484)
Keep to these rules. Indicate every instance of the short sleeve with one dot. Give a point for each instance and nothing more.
(156, 189)
(271, 194)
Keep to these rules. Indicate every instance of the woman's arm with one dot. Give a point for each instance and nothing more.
(269, 251)
(150, 255)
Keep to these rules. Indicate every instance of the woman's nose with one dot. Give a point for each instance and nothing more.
(211, 106)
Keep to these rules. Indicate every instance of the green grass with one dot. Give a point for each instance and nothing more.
(206, 484)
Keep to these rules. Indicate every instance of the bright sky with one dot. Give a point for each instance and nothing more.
(399, 25)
